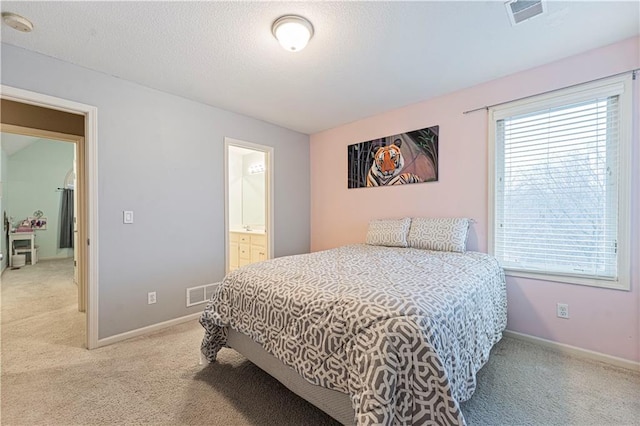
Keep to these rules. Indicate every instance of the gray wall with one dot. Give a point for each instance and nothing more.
(162, 157)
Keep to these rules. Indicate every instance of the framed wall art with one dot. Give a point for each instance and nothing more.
(38, 222)
(410, 157)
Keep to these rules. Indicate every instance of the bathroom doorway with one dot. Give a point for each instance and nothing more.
(248, 205)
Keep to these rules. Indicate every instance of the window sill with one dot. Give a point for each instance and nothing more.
(567, 279)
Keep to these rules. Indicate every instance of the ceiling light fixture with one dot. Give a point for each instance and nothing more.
(293, 32)
(17, 22)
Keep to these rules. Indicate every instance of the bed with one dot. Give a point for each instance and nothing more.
(368, 333)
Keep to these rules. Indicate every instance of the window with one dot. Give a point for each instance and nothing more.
(560, 185)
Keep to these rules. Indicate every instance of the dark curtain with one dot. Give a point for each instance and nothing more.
(66, 219)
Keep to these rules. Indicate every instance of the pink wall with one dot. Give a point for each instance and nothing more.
(602, 320)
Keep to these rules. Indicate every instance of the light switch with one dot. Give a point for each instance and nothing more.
(127, 216)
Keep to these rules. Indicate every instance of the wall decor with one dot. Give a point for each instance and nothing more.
(38, 223)
(410, 157)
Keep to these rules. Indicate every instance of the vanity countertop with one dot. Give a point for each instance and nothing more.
(253, 231)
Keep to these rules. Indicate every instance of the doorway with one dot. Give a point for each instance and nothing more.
(38, 174)
(37, 115)
(248, 203)
(40, 207)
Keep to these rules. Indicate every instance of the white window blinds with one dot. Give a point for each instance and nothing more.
(556, 189)
(557, 181)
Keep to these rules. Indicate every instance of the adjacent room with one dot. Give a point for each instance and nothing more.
(39, 272)
(320, 213)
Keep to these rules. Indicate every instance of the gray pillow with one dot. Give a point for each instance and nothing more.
(443, 234)
(388, 232)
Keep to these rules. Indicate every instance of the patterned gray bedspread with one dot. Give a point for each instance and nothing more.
(401, 330)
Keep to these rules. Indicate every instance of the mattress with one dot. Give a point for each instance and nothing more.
(403, 331)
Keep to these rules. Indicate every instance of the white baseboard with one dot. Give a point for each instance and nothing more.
(40, 259)
(146, 330)
(575, 351)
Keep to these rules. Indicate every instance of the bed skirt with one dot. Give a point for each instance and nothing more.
(335, 403)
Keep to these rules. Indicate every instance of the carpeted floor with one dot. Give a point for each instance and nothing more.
(47, 378)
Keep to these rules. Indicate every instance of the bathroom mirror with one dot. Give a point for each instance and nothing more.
(247, 188)
(253, 190)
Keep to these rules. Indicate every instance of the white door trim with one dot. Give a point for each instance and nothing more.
(268, 154)
(91, 166)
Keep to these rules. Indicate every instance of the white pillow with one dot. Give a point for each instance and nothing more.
(388, 232)
(443, 234)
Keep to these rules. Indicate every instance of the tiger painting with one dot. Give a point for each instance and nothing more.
(387, 165)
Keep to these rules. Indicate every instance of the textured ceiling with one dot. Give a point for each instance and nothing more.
(365, 57)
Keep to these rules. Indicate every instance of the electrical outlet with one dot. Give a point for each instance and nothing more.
(562, 310)
(151, 297)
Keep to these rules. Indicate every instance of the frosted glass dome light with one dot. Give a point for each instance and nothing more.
(293, 32)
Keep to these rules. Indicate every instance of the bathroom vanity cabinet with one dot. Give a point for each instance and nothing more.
(246, 247)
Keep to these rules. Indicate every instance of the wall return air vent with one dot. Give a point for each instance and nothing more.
(200, 294)
(522, 10)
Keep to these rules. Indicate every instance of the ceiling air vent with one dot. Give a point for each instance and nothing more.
(522, 10)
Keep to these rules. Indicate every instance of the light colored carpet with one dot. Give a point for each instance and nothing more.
(47, 378)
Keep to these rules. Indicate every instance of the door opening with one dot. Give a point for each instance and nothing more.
(248, 203)
(41, 196)
(27, 120)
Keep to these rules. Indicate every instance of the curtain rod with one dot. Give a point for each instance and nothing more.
(486, 107)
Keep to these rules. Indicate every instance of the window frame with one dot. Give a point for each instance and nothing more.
(620, 86)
